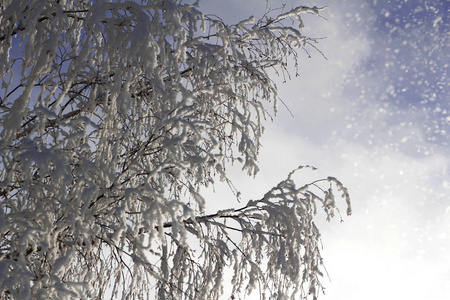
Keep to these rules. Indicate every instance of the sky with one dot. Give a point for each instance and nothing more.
(376, 115)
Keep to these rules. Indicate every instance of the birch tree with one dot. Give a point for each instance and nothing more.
(115, 116)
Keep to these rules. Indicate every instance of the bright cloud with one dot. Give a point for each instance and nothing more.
(375, 115)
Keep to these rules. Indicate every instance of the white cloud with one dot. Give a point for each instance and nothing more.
(397, 236)
(396, 243)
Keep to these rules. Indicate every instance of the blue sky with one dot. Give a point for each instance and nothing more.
(376, 115)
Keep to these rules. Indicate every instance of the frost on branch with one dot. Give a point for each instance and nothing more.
(114, 115)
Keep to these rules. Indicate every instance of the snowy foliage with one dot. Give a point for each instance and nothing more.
(114, 115)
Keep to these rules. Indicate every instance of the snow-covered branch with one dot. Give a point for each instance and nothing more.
(114, 116)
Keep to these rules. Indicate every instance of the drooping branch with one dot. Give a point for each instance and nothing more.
(114, 119)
